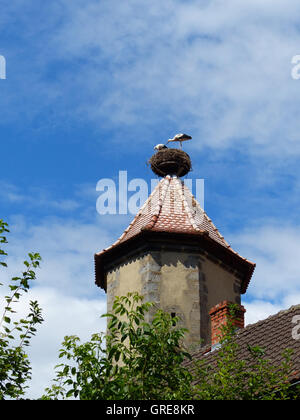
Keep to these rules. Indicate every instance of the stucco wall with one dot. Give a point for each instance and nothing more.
(178, 282)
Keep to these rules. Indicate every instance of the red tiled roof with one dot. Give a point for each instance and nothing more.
(172, 208)
(275, 334)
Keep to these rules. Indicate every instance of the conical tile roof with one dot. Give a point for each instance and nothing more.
(171, 208)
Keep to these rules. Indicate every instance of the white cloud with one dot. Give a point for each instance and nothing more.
(71, 302)
(276, 251)
(257, 310)
(65, 289)
(63, 315)
(275, 284)
(220, 68)
(67, 248)
(35, 198)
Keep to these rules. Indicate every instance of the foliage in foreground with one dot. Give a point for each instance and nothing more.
(137, 360)
(143, 361)
(231, 378)
(140, 360)
(15, 334)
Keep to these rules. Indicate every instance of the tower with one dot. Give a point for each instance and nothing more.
(173, 254)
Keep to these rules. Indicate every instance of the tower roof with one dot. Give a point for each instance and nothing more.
(172, 209)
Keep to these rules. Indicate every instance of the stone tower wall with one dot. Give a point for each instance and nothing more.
(182, 283)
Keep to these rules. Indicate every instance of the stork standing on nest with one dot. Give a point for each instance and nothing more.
(180, 137)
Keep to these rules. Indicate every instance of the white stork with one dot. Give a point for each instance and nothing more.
(180, 137)
(160, 147)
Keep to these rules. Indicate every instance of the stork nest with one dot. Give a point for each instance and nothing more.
(170, 162)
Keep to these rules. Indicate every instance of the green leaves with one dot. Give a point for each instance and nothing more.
(231, 378)
(3, 240)
(15, 368)
(135, 360)
(139, 360)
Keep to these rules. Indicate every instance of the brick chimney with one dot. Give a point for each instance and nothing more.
(220, 315)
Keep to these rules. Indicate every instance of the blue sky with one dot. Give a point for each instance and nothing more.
(92, 86)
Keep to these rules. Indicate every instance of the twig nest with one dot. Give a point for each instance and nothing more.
(170, 162)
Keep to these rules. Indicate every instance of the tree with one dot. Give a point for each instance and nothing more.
(144, 361)
(135, 360)
(141, 360)
(15, 334)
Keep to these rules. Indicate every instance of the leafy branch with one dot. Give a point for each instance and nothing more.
(14, 364)
(134, 360)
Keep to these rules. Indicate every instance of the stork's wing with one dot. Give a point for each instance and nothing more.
(182, 136)
(186, 137)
